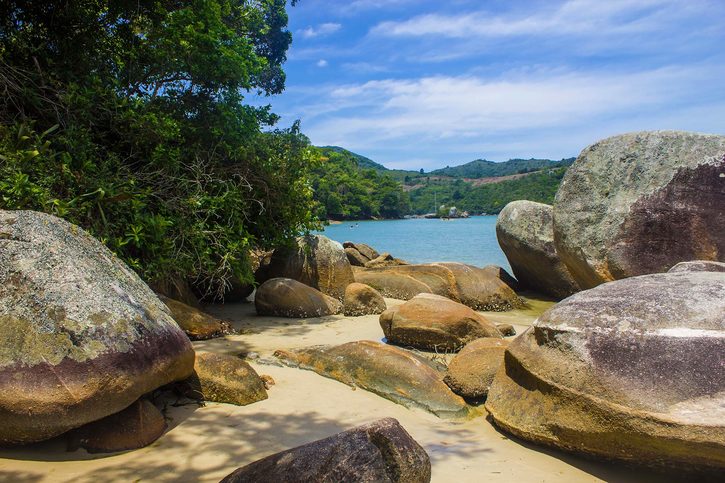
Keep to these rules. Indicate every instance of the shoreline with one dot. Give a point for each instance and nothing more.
(207, 443)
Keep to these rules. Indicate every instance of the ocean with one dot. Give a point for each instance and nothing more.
(467, 240)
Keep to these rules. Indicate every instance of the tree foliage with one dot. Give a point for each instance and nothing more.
(346, 189)
(127, 117)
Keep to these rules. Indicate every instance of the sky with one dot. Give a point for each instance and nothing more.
(424, 84)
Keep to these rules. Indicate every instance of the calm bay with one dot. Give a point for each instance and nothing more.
(466, 240)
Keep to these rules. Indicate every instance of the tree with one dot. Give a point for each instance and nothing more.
(154, 151)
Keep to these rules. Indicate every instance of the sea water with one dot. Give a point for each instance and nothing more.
(466, 240)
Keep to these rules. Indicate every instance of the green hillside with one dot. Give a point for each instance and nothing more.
(489, 198)
(346, 186)
(351, 186)
(482, 168)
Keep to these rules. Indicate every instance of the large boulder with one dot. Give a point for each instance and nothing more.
(137, 426)
(478, 288)
(631, 370)
(284, 297)
(470, 373)
(381, 451)
(390, 372)
(226, 379)
(698, 266)
(525, 232)
(176, 288)
(314, 260)
(198, 325)
(361, 299)
(429, 321)
(640, 203)
(355, 258)
(81, 336)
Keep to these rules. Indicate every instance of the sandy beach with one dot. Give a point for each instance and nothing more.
(207, 443)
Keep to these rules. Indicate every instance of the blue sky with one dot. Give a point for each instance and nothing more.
(424, 84)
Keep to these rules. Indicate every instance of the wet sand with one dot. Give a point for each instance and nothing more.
(207, 443)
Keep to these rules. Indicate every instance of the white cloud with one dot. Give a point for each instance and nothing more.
(530, 115)
(321, 30)
(321, 63)
(597, 17)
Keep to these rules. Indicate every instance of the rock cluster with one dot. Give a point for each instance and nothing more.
(478, 288)
(314, 260)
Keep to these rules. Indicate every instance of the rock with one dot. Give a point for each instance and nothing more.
(630, 370)
(225, 379)
(396, 374)
(433, 322)
(355, 258)
(381, 451)
(480, 289)
(525, 232)
(640, 203)
(698, 266)
(365, 250)
(137, 426)
(384, 260)
(81, 336)
(284, 297)
(361, 299)
(198, 325)
(316, 261)
(504, 276)
(176, 288)
(471, 371)
(507, 330)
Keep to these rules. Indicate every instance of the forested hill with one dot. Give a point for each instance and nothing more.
(481, 168)
(349, 186)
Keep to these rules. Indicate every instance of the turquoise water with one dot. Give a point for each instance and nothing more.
(469, 240)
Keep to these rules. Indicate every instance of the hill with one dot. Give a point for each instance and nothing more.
(481, 168)
(348, 185)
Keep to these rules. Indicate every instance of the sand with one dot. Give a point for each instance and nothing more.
(207, 443)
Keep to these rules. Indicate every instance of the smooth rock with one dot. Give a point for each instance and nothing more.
(81, 336)
(393, 373)
(525, 232)
(198, 325)
(478, 288)
(381, 451)
(135, 427)
(504, 276)
(433, 322)
(225, 379)
(630, 370)
(361, 299)
(698, 266)
(284, 297)
(640, 203)
(365, 250)
(355, 258)
(471, 371)
(314, 260)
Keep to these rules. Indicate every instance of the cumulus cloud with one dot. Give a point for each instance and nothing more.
(321, 30)
(321, 63)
